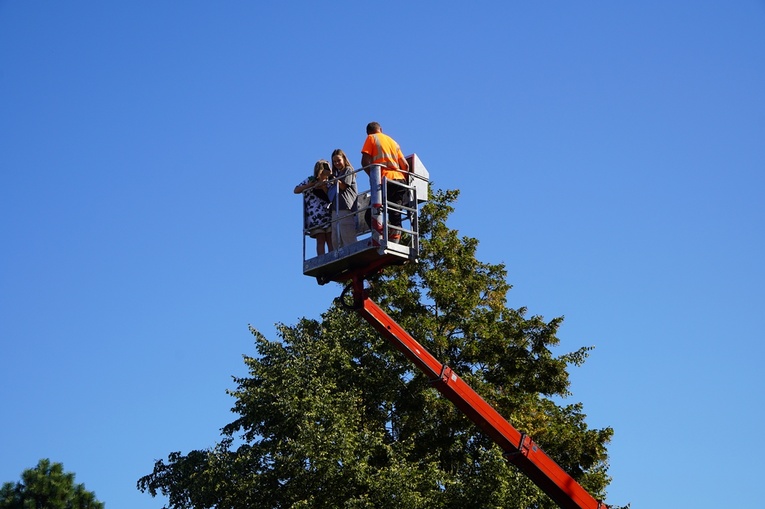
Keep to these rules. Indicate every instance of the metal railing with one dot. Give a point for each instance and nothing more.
(373, 203)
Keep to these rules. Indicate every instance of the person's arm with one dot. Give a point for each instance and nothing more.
(300, 188)
(366, 160)
(403, 164)
(366, 153)
(341, 179)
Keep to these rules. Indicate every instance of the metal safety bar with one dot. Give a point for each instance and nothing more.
(371, 211)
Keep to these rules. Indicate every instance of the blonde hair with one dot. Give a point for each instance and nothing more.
(321, 164)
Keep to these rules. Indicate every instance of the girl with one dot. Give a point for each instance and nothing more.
(316, 213)
(343, 197)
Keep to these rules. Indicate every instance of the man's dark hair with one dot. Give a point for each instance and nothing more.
(373, 127)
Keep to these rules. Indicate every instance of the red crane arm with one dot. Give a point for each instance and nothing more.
(519, 447)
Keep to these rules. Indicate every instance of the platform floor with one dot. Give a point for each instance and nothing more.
(330, 266)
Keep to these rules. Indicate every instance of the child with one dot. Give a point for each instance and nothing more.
(316, 213)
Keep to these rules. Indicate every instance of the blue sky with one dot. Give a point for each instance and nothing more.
(611, 154)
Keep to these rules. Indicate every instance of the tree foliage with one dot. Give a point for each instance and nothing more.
(47, 486)
(332, 416)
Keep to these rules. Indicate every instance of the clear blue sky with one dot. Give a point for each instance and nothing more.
(611, 154)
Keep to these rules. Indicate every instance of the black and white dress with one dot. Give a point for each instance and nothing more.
(316, 211)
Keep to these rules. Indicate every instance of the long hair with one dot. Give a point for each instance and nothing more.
(346, 162)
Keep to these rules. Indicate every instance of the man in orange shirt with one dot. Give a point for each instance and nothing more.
(381, 149)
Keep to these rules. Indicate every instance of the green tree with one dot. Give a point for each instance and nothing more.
(47, 486)
(332, 416)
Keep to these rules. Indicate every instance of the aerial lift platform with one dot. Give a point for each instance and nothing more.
(373, 246)
(355, 263)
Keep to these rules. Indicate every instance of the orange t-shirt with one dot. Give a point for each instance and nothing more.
(385, 151)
